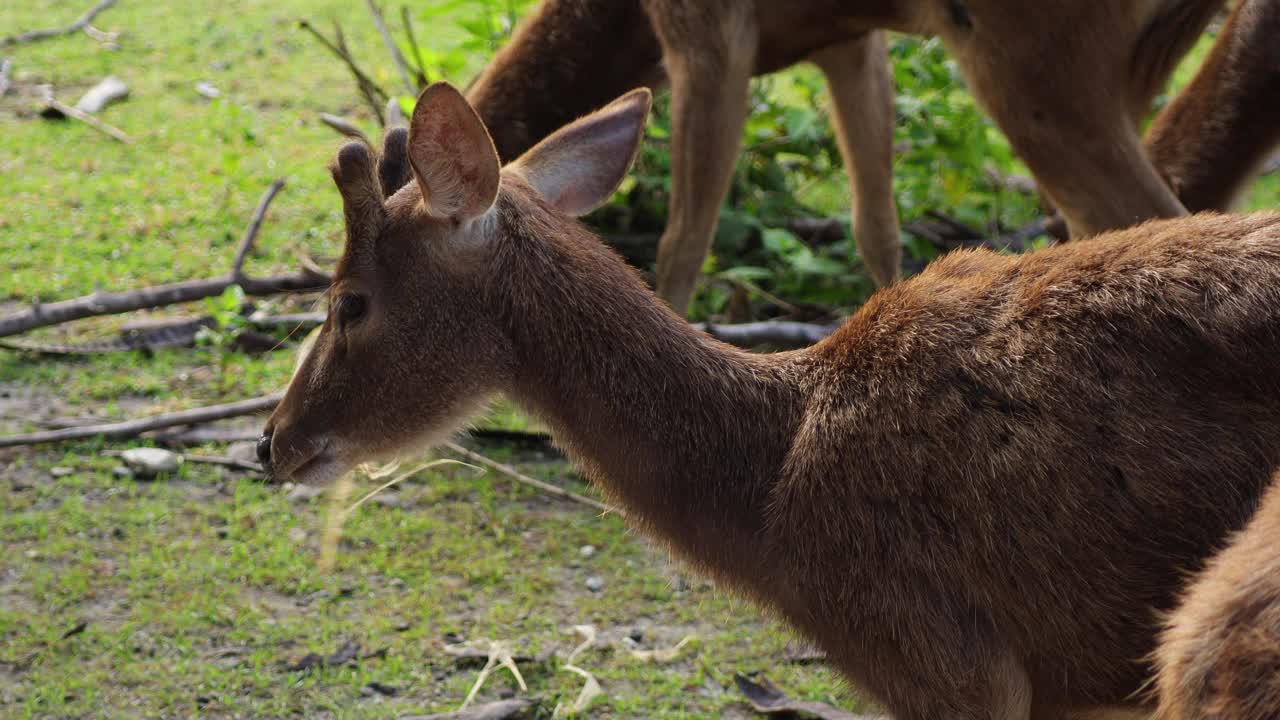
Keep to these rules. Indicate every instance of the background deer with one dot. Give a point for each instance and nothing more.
(1219, 657)
(975, 495)
(1212, 139)
(1066, 80)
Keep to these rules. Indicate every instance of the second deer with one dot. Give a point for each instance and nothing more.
(1066, 80)
(975, 495)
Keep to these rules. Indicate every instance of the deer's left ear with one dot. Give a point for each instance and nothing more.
(452, 155)
(579, 166)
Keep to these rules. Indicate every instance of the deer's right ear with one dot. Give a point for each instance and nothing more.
(579, 166)
(452, 155)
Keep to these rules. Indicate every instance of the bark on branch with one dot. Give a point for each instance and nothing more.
(81, 23)
(134, 428)
(778, 333)
(111, 303)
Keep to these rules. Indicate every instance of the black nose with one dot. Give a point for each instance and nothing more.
(264, 450)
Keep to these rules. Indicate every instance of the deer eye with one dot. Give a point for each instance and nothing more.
(349, 308)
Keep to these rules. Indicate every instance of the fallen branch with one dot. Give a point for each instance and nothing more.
(779, 333)
(81, 23)
(500, 710)
(767, 698)
(221, 460)
(205, 435)
(134, 428)
(224, 461)
(516, 475)
(181, 333)
(946, 233)
(38, 315)
(76, 114)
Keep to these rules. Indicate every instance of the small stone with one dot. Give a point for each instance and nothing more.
(587, 551)
(303, 493)
(367, 691)
(61, 471)
(151, 461)
(208, 90)
(636, 635)
(297, 534)
(595, 584)
(121, 471)
(245, 451)
(31, 554)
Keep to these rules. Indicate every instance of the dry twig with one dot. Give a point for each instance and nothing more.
(5, 66)
(134, 428)
(381, 23)
(345, 127)
(421, 69)
(38, 315)
(84, 117)
(251, 230)
(516, 475)
(81, 23)
(767, 698)
(375, 97)
(500, 710)
(779, 333)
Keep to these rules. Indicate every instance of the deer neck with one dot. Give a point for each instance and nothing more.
(686, 434)
(569, 58)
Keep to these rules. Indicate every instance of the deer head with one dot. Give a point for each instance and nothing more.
(414, 344)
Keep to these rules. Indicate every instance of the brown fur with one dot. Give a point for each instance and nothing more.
(1066, 80)
(1219, 657)
(975, 496)
(1212, 139)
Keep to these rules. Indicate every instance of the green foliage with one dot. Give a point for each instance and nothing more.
(227, 311)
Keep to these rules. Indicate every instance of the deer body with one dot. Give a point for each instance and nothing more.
(974, 496)
(1066, 80)
(1219, 656)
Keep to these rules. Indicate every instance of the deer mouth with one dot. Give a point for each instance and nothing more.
(320, 468)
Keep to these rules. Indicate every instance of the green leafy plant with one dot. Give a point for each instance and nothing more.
(227, 311)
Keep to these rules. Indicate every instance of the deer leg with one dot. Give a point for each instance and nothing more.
(710, 74)
(1213, 138)
(862, 99)
(1086, 156)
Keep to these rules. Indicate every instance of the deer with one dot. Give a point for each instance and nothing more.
(1212, 139)
(1219, 655)
(1067, 81)
(976, 495)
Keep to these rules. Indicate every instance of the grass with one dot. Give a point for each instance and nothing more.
(196, 590)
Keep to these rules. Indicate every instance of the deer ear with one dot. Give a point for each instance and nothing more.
(452, 155)
(579, 166)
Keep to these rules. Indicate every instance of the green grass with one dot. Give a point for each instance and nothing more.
(198, 589)
(194, 590)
